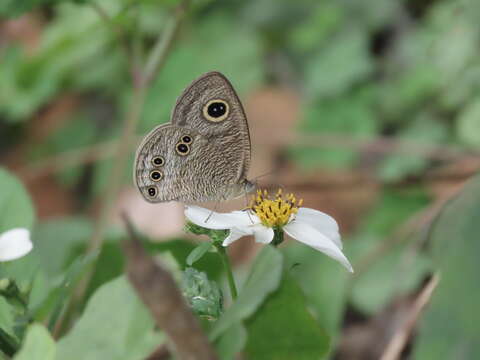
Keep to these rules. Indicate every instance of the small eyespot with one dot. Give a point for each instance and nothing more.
(156, 175)
(152, 191)
(158, 161)
(182, 149)
(216, 110)
(187, 139)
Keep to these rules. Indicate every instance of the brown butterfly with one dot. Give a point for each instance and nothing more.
(203, 154)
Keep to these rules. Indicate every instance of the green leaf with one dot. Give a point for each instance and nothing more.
(351, 115)
(236, 54)
(79, 132)
(62, 237)
(198, 252)
(408, 91)
(337, 67)
(362, 14)
(38, 345)
(323, 282)
(204, 296)
(424, 130)
(74, 53)
(114, 325)
(451, 326)
(210, 263)
(396, 271)
(283, 328)
(64, 290)
(316, 29)
(459, 30)
(109, 265)
(231, 342)
(22, 271)
(393, 208)
(16, 209)
(468, 124)
(263, 279)
(217, 236)
(14, 8)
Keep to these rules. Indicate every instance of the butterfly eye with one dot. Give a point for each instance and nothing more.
(182, 149)
(186, 139)
(158, 161)
(152, 191)
(216, 110)
(156, 175)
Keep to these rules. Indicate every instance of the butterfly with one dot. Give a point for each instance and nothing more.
(203, 153)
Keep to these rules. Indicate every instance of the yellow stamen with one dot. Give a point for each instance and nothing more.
(277, 211)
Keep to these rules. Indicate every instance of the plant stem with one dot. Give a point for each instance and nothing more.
(8, 345)
(141, 82)
(158, 55)
(119, 32)
(222, 252)
(116, 176)
(278, 236)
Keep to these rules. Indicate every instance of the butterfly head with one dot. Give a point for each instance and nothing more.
(238, 190)
(249, 186)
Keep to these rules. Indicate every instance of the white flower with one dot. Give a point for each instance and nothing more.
(311, 227)
(14, 244)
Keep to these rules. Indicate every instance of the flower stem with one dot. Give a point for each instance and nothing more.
(278, 236)
(222, 252)
(10, 291)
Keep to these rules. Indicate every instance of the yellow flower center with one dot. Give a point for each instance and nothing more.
(274, 211)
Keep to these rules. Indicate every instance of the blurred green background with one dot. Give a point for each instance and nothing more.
(376, 113)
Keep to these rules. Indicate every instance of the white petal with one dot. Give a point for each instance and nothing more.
(213, 220)
(14, 244)
(322, 222)
(311, 237)
(263, 234)
(236, 234)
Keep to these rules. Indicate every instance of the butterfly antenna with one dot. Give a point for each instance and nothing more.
(265, 174)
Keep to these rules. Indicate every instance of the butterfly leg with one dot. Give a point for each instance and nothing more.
(211, 212)
(247, 207)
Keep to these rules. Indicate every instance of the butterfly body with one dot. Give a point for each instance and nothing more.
(203, 154)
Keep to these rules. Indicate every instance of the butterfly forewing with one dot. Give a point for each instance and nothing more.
(234, 129)
(204, 153)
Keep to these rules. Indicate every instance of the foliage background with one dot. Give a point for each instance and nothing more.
(368, 110)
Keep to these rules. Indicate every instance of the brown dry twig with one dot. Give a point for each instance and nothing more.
(157, 289)
(400, 338)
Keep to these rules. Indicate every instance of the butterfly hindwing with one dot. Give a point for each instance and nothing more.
(180, 164)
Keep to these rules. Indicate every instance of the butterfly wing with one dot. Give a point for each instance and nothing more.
(178, 163)
(230, 135)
